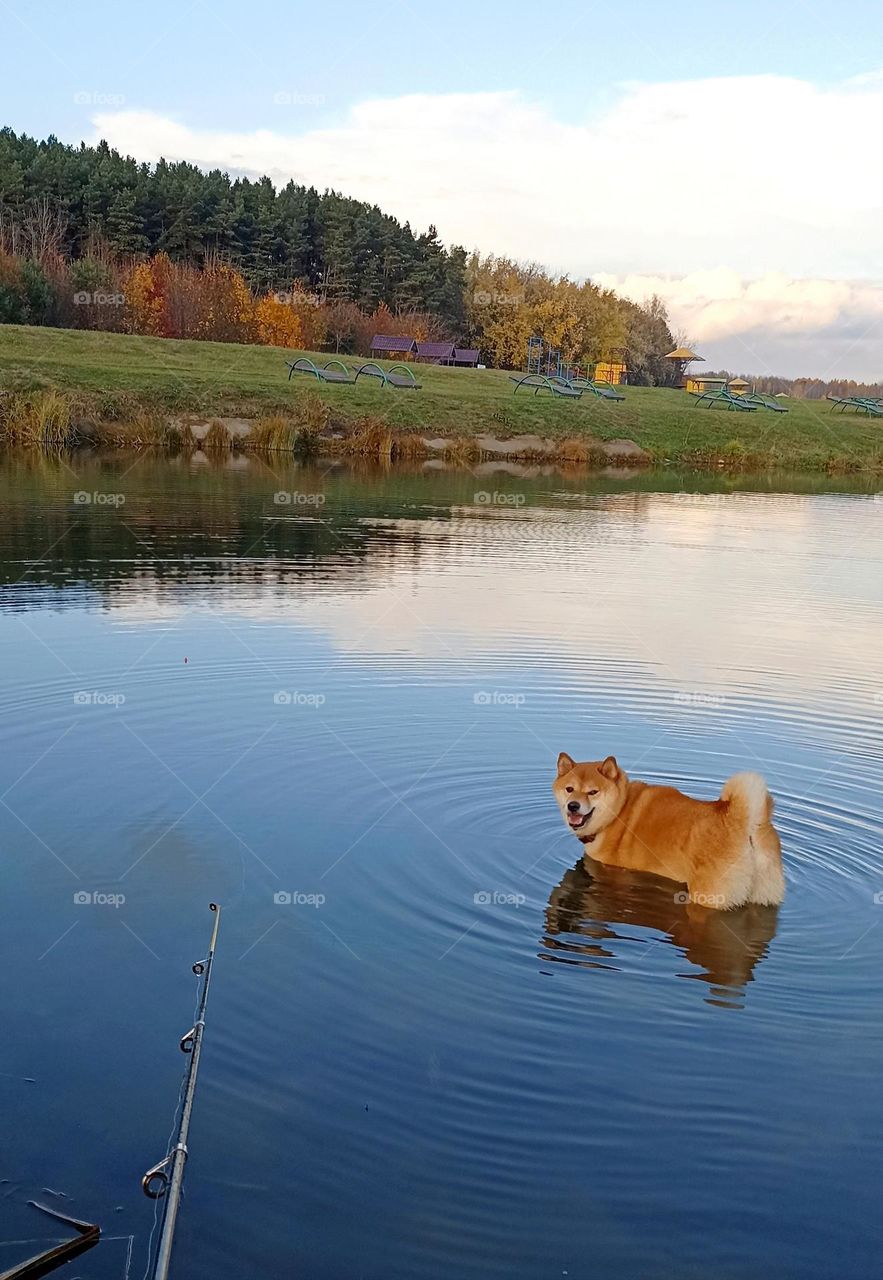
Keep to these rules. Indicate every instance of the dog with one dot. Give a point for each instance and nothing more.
(727, 851)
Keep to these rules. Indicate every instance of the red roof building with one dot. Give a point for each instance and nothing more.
(436, 352)
(392, 344)
(466, 356)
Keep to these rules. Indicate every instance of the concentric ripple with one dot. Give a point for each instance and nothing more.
(439, 1042)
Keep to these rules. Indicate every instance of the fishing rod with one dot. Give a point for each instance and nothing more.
(166, 1178)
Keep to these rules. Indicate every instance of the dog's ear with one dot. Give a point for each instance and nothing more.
(609, 768)
(565, 763)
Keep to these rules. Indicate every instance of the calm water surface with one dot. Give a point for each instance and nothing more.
(451, 1051)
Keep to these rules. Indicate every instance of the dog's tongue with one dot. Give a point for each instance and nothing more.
(576, 819)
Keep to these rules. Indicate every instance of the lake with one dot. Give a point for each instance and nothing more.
(331, 699)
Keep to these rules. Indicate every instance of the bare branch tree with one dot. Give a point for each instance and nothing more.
(44, 227)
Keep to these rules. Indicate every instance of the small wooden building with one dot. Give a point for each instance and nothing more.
(466, 356)
(613, 368)
(698, 383)
(435, 352)
(390, 344)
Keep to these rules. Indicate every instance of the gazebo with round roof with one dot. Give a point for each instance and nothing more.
(683, 356)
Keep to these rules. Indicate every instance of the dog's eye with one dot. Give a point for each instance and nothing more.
(591, 793)
(568, 789)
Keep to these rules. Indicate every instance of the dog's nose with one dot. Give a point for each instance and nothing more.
(573, 806)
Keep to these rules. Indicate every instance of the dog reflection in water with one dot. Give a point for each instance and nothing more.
(593, 909)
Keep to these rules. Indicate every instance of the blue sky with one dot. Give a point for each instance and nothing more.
(597, 139)
(213, 62)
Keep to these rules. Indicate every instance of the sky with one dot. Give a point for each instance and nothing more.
(723, 155)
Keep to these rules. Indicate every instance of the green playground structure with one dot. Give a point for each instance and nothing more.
(322, 373)
(868, 405)
(723, 399)
(765, 402)
(404, 380)
(569, 388)
(398, 376)
(537, 382)
(601, 387)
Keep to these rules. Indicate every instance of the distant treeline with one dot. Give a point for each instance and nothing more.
(90, 238)
(806, 388)
(339, 247)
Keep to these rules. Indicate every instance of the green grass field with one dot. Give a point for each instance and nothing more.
(219, 379)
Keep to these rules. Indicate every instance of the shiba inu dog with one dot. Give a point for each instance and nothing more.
(726, 851)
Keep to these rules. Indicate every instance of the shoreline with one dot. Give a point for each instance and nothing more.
(56, 421)
(64, 388)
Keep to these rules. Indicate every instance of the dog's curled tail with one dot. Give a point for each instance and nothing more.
(752, 806)
(748, 795)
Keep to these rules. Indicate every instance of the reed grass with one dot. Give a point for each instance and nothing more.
(275, 433)
(43, 419)
(463, 451)
(217, 439)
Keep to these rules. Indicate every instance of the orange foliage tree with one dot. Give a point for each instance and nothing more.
(313, 325)
(145, 305)
(277, 325)
(175, 300)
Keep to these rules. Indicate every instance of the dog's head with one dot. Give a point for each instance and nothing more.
(589, 795)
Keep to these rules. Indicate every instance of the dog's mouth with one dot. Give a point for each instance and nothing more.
(577, 820)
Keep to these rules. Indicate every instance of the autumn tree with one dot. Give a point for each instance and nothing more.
(145, 304)
(277, 325)
(343, 322)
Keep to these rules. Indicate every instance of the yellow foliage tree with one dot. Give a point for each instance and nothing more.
(145, 305)
(277, 325)
(507, 302)
(227, 311)
(313, 325)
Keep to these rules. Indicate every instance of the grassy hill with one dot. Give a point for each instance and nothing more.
(107, 375)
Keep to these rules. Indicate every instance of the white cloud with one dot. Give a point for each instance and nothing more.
(764, 179)
(715, 304)
(466, 594)
(751, 324)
